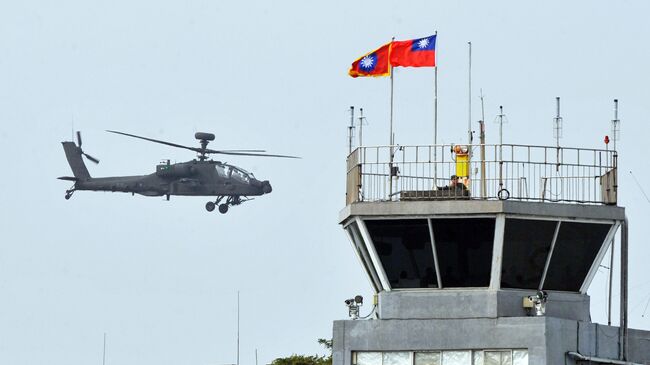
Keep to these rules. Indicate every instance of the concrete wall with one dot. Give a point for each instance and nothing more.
(547, 339)
(475, 303)
(440, 334)
(455, 207)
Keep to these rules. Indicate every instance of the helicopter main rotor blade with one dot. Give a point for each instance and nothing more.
(242, 150)
(248, 154)
(91, 158)
(206, 150)
(195, 149)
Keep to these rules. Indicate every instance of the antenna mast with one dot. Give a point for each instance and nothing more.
(351, 130)
(557, 124)
(361, 118)
(482, 136)
(501, 119)
(616, 125)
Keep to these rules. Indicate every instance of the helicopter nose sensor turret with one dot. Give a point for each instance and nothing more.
(266, 187)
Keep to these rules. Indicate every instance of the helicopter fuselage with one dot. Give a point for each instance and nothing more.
(192, 178)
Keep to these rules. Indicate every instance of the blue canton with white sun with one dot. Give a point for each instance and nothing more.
(424, 44)
(369, 62)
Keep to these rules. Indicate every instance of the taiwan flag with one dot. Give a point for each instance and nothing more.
(414, 53)
(373, 64)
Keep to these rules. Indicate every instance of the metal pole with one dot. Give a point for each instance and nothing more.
(624, 293)
(615, 127)
(255, 356)
(435, 120)
(104, 353)
(482, 137)
(350, 129)
(611, 278)
(391, 140)
(558, 127)
(469, 107)
(483, 183)
(557, 122)
(360, 127)
(500, 147)
(237, 327)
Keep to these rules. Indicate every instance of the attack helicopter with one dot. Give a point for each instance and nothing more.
(231, 185)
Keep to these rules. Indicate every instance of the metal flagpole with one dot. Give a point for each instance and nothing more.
(435, 119)
(469, 91)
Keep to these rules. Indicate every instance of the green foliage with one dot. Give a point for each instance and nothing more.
(303, 360)
(307, 360)
(326, 343)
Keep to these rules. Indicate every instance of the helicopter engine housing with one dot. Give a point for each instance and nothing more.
(165, 170)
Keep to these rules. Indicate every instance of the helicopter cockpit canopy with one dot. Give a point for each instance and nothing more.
(233, 172)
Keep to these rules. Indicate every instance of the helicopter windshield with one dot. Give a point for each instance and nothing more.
(236, 173)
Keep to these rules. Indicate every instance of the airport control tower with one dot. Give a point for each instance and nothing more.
(484, 259)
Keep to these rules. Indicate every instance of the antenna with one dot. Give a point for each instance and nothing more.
(557, 124)
(501, 119)
(351, 130)
(104, 354)
(361, 117)
(616, 126)
(482, 137)
(237, 327)
(640, 187)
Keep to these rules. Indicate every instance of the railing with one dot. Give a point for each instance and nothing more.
(515, 172)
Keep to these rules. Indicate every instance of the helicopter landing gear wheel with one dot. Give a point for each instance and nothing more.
(223, 208)
(209, 206)
(67, 196)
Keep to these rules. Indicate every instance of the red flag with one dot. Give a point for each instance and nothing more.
(414, 53)
(374, 63)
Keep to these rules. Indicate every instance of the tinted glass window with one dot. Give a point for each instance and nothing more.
(363, 252)
(526, 245)
(464, 248)
(404, 248)
(575, 250)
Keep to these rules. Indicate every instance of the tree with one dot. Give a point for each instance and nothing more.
(307, 360)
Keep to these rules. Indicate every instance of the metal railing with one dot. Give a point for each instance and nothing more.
(515, 172)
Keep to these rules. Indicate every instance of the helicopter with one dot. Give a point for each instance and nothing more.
(231, 185)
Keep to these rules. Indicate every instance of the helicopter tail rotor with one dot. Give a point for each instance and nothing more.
(89, 157)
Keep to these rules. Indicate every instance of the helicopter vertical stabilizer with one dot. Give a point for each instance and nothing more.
(73, 154)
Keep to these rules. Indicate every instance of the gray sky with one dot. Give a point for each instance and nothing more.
(161, 277)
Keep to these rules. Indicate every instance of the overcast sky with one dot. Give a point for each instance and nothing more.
(161, 278)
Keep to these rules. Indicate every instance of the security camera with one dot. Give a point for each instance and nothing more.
(349, 301)
(358, 299)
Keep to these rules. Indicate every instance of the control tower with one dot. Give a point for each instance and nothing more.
(483, 259)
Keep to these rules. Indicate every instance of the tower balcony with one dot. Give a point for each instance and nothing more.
(493, 172)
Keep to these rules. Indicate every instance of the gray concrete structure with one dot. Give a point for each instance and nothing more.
(450, 312)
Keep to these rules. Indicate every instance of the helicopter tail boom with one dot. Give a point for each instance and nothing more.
(73, 154)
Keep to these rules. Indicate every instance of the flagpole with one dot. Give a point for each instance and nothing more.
(435, 121)
(392, 137)
(469, 90)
